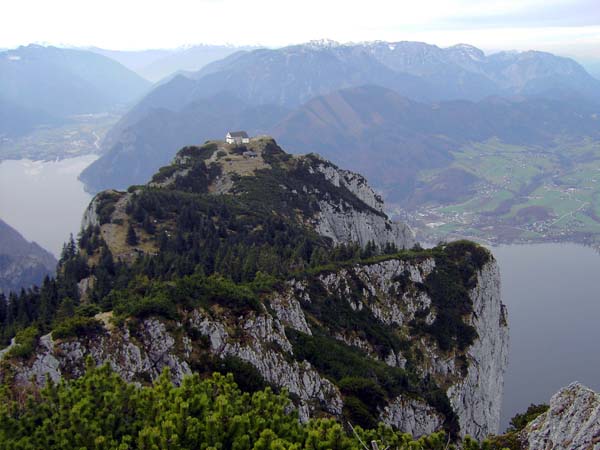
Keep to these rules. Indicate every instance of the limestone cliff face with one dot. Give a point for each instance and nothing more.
(412, 416)
(139, 349)
(90, 216)
(572, 422)
(354, 182)
(477, 398)
(143, 354)
(343, 223)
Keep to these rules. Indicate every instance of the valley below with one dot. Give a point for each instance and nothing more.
(504, 194)
(81, 135)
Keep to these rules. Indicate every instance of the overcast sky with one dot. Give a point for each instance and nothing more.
(569, 27)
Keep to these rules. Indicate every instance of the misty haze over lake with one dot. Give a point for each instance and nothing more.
(44, 200)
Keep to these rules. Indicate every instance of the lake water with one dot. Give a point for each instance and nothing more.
(44, 200)
(553, 296)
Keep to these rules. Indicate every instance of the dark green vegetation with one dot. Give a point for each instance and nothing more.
(520, 421)
(510, 439)
(228, 255)
(100, 411)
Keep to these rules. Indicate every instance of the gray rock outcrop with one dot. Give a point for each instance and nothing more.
(571, 423)
(90, 217)
(354, 182)
(344, 223)
(412, 416)
(141, 352)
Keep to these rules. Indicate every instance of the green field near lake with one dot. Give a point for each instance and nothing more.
(534, 192)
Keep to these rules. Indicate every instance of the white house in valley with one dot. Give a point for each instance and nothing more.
(237, 137)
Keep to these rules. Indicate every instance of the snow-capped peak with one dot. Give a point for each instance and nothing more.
(323, 43)
(468, 51)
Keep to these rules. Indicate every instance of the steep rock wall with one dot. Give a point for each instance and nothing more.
(343, 223)
(387, 289)
(477, 399)
(475, 396)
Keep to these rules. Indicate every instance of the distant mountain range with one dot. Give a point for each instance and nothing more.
(16, 120)
(293, 75)
(388, 137)
(384, 108)
(154, 65)
(150, 143)
(391, 138)
(43, 84)
(22, 264)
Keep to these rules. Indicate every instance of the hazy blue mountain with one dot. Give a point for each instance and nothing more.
(293, 75)
(16, 120)
(391, 138)
(285, 77)
(592, 66)
(465, 72)
(154, 65)
(134, 60)
(540, 73)
(22, 263)
(187, 59)
(63, 82)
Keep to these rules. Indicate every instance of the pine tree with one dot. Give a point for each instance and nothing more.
(3, 309)
(69, 250)
(132, 238)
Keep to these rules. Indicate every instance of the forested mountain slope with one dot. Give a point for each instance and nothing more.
(285, 271)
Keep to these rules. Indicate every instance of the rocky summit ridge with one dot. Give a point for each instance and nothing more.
(336, 203)
(285, 271)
